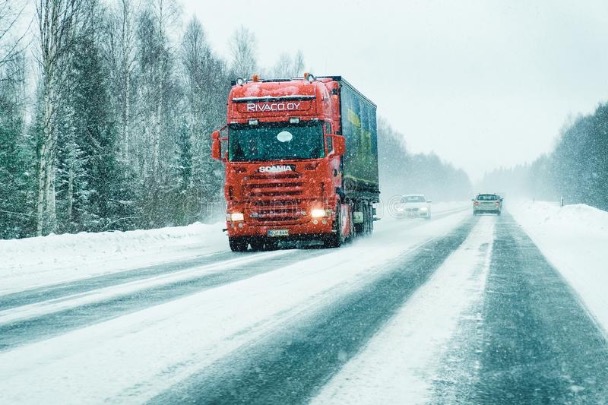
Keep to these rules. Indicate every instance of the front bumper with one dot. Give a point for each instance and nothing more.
(279, 231)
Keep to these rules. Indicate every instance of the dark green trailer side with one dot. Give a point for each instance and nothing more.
(359, 128)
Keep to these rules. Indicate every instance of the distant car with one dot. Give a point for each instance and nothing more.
(414, 206)
(491, 203)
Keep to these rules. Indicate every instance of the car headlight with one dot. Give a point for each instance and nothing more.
(424, 209)
(236, 216)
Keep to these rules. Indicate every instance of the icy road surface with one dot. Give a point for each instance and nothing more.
(459, 309)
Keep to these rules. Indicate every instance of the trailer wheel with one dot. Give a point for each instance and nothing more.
(367, 226)
(237, 244)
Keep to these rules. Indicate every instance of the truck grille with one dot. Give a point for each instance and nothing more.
(275, 198)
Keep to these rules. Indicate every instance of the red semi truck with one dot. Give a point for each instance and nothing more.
(301, 160)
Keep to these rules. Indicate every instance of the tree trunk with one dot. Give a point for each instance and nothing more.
(45, 217)
(126, 72)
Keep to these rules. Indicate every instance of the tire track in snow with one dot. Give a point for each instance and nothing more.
(148, 289)
(293, 366)
(534, 343)
(60, 290)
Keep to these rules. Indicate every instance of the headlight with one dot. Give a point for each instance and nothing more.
(236, 216)
(318, 213)
(424, 209)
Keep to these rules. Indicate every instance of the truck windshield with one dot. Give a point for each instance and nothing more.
(275, 142)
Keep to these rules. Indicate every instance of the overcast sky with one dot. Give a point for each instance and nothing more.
(482, 83)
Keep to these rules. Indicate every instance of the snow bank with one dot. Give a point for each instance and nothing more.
(574, 238)
(31, 262)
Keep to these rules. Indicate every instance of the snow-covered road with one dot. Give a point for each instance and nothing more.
(171, 315)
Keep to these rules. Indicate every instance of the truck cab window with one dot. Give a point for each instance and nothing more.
(275, 142)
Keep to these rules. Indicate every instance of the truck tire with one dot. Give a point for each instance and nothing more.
(335, 239)
(237, 244)
(366, 227)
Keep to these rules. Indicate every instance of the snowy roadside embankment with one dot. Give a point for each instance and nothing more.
(574, 238)
(32, 262)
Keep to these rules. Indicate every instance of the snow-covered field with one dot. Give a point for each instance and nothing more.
(573, 238)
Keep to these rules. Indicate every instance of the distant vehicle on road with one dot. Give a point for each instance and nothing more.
(491, 203)
(414, 206)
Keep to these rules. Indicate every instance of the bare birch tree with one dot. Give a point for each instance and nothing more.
(56, 21)
(206, 84)
(287, 67)
(10, 15)
(126, 55)
(243, 47)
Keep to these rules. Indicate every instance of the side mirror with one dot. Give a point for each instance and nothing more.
(216, 146)
(339, 144)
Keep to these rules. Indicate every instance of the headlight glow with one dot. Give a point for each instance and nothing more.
(318, 213)
(236, 216)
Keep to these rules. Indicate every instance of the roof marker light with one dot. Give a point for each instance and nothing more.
(240, 81)
(309, 77)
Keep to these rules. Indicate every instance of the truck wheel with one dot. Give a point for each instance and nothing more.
(237, 244)
(369, 217)
(365, 228)
(334, 240)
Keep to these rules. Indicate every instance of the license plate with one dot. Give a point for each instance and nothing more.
(278, 232)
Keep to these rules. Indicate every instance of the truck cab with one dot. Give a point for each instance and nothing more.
(283, 150)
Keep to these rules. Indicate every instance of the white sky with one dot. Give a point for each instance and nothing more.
(482, 83)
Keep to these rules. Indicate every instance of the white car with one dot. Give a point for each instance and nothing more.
(414, 206)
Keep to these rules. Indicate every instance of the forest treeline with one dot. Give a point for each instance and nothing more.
(403, 172)
(575, 172)
(106, 111)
